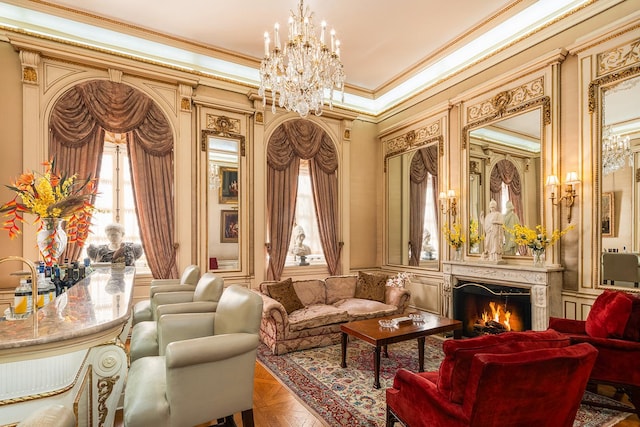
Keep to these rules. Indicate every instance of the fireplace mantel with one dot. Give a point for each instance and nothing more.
(545, 284)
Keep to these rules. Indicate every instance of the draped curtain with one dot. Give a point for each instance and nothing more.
(505, 171)
(424, 162)
(77, 127)
(292, 141)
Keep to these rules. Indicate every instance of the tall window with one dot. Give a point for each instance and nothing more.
(114, 202)
(431, 229)
(306, 221)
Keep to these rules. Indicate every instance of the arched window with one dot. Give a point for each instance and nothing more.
(79, 122)
(290, 143)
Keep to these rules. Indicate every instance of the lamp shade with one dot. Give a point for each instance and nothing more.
(572, 178)
(552, 180)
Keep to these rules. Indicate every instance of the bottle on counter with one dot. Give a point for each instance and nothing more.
(21, 298)
(57, 280)
(75, 273)
(43, 289)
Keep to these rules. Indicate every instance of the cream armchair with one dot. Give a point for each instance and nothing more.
(205, 297)
(187, 282)
(620, 267)
(207, 368)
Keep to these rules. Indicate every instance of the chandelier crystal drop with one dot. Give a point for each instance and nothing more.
(616, 150)
(305, 69)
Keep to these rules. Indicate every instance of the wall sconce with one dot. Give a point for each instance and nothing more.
(569, 193)
(449, 203)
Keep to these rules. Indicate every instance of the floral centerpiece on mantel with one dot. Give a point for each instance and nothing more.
(536, 239)
(53, 198)
(455, 237)
(474, 236)
(400, 280)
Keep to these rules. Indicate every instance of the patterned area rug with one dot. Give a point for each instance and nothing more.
(346, 397)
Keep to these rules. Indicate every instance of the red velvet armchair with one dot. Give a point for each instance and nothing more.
(512, 379)
(613, 327)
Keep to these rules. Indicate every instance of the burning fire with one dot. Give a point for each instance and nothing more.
(498, 315)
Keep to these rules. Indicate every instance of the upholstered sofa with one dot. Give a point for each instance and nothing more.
(323, 306)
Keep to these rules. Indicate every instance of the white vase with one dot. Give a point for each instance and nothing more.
(52, 239)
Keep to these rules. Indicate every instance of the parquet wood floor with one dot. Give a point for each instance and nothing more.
(275, 406)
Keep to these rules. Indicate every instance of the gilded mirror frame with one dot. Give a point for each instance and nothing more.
(430, 134)
(222, 129)
(596, 92)
(505, 105)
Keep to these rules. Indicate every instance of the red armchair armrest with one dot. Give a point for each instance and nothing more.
(567, 326)
(414, 396)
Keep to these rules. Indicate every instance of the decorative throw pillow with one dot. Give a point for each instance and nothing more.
(371, 286)
(609, 315)
(285, 294)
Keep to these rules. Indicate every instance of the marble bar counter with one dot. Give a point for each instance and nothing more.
(76, 357)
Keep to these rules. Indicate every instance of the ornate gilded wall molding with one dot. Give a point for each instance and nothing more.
(544, 102)
(186, 92)
(506, 101)
(594, 86)
(619, 57)
(416, 138)
(30, 62)
(222, 124)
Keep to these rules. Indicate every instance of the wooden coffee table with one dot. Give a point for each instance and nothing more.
(372, 333)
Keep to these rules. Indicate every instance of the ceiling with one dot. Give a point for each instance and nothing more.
(390, 50)
(380, 39)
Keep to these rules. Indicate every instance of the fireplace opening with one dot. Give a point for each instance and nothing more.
(491, 309)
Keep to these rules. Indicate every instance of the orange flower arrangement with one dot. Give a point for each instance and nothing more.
(51, 195)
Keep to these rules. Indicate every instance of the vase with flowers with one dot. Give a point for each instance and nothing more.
(537, 240)
(455, 238)
(400, 280)
(474, 237)
(62, 206)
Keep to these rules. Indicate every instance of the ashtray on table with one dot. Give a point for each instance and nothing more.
(388, 323)
(416, 317)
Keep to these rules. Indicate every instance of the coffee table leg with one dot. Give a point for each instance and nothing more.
(421, 354)
(376, 367)
(344, 351)
(386, 352)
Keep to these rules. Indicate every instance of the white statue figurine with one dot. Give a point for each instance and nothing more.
(116, 250)
(493, 233)
(299, 248)
(427, 248)
(510, 219)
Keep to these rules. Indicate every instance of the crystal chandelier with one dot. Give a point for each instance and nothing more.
(300, 74)
(616, 150)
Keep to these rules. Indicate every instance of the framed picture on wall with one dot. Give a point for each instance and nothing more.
(608, 215)
(228, 185)
(229, 226)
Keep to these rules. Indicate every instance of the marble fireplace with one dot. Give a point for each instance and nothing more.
(535, 293)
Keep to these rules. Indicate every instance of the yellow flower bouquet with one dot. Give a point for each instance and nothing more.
(51, 195)
(474, 236)
(536, 239)
(454, 235)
